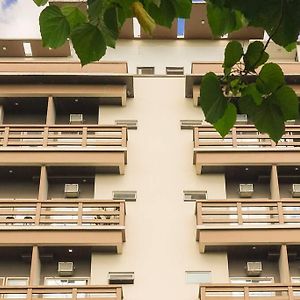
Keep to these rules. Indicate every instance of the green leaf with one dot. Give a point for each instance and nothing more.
(228, 120)
(88, 43)
(74, 15)
(212, 100)
(222, 19)
(269, 119)
(54, 27)
(233, 53)
(284, 16)
(247, 106)
(40, 2)
(270, 78)
(288, 102)
(252, 91)
(255, 56)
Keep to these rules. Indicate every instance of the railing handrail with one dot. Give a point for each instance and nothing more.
(60, 287)
(248, 200)
(67, 126)
(60, 200)
(229, 285)
(205, 136)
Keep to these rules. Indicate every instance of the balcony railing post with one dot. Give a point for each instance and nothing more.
(199, 213)
(119, 293)
(202, 292)
(239, 213)
(246, 293)
(124, 136)
(80, 212)
(280, 212)
(234, 137)
(74, 293)
(6, 136)
(196, 137)
(45, 136)
(122, 214)
(38, 211)
(29, 294)
(84, 137)
(290, 293)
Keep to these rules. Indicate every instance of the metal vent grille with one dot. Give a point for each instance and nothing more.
(190, 124)
(125, 195)
(130, 124)
(194, 195)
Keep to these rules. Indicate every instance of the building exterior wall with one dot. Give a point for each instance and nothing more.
(160, 244)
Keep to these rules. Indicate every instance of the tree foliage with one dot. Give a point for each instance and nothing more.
(266, 99)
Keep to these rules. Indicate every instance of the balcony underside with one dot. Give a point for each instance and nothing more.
(211, 160)
(216, 237)
(101, 238)
(104, 161)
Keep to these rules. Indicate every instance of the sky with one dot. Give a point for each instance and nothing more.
(19, 19)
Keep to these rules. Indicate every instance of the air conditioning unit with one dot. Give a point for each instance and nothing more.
(65, 268)
(296, 190)
(120, 277)
(76, 118)
(241, 118)
(71, 190)
(254, 268)
(246, 190)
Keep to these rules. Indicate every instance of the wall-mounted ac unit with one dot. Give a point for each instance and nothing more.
(296, 190)
(120, 277)
(254, 268)
(65, 268)
(241, 118)
(71, 190)
(246, 190)
(76, 119)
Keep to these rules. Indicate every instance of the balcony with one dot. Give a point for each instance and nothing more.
(62, 292)
(243, 145)
(77, 145)
(199, 69)
(63, 222)
(232, 222)
(60, 74)
(249, 291)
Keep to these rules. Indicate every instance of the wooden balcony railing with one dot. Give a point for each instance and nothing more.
(62, 292)
(62, 212)
(222, 223)
(249, 291)
(64, 67)
(75, 136)
(247, 212)
(245, 136)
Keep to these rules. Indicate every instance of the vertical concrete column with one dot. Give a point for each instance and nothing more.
(1, 114)
(298, 52)
(284, 270)
(274, 184)
(35, 267)
(43, 186)
(51, 113)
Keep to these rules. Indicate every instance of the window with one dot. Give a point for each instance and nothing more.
(196, 277)
(145, 70)
(125, 195)
(121, 277)
(194, 195)
(174, 70)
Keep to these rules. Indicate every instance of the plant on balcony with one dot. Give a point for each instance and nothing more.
(266, 99)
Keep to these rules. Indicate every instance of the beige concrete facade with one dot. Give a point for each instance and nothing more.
(162, 237)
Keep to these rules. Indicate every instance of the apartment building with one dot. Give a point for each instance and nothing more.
(113, 186)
